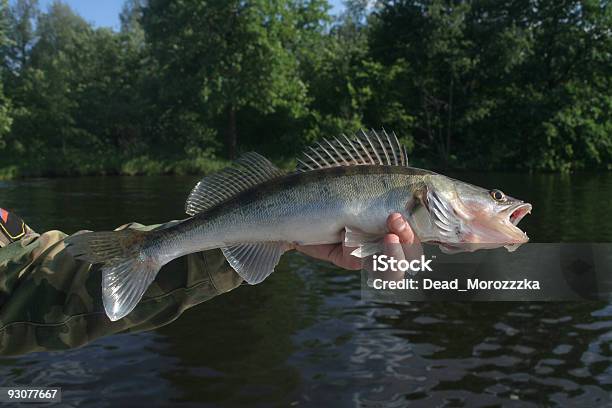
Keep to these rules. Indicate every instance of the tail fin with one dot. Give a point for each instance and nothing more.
(127, 271)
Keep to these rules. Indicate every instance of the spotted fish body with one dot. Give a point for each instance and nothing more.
(254, 213)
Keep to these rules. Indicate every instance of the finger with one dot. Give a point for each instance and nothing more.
(393, 248)
(410, 243)
(399, 226)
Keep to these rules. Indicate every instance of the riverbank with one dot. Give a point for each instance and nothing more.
(114, 165)
(148, 165)
(102, 166)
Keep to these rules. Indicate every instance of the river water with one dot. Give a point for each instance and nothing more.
(304, 337)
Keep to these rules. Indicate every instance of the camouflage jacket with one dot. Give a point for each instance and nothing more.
(50, 301)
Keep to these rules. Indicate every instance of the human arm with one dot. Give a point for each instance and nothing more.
(50, 301)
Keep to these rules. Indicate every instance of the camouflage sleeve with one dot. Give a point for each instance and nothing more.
(50, 301)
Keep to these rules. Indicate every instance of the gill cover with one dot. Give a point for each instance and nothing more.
(443, 216)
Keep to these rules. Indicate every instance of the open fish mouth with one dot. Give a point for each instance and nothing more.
(517, 213)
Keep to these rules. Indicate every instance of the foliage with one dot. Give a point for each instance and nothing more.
(519, 85)
(219, 59)
(182, 83)
(5, 107)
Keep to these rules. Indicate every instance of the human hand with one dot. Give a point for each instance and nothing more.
(400, 243)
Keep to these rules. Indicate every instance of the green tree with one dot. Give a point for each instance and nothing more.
(484, 84)
(425, 42)
(564, 102)
(502, 85)
(336, 103)
(52, 82)
(5, 119)
(131, 22)
(220, 59)
(19, 21)
(78, 88)
(21, 18)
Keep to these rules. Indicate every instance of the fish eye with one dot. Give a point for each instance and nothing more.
(497, 195)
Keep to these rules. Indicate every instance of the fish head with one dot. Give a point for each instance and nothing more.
(467, 217)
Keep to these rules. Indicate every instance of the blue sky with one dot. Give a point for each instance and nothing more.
(105, 13)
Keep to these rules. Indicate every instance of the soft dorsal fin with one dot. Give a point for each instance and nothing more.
(365, 148)
(249, 170)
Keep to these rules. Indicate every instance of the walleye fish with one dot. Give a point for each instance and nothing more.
(253, 211)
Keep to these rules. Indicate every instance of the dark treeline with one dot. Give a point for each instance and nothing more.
(186, 84)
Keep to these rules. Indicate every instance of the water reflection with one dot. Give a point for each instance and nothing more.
(305, 337)
(123, 369)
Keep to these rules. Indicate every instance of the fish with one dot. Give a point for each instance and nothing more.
(254, 212)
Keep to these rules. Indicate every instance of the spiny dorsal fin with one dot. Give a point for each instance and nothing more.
(365, 148)
(249, 170)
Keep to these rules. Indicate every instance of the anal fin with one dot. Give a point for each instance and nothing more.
(254, 262)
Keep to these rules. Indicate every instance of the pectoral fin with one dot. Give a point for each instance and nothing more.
(254, 262)
(366, 243)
